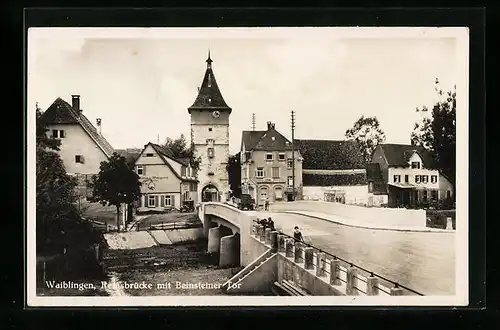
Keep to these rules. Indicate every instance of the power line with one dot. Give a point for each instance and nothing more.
(293, 154)
(253, 121)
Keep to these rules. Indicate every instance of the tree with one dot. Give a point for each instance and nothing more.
(54, 188)
(177, 148)
(368, 134)
(115, 184)
(234, 172)
(436, 132)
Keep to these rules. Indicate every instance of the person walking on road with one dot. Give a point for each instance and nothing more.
(297, 235)
(266, 204)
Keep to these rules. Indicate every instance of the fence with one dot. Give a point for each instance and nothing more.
(167, 226)
(356, 279)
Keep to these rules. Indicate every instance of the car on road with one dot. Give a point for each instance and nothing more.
(246, 202)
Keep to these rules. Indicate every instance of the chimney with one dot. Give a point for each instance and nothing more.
(98, 123)
(270, 125)
(76, 103)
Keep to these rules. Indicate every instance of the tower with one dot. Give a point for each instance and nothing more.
(210, 136)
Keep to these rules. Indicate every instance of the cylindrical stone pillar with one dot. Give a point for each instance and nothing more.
(334, 272)
(267, 234)
(213, 240)
(351, 282)
(320, 264)
(396, 291)
(372, 286)
(281, 243)
(308, 258)
(449, 224)
(274, 241)
(297, 252)
(289, 248)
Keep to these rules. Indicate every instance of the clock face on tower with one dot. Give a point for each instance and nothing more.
(216, 114)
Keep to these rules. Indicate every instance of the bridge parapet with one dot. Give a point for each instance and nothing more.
(223, 211)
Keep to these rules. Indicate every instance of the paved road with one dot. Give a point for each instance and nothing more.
(422, 261)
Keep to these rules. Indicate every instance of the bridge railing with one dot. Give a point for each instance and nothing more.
(356, 279)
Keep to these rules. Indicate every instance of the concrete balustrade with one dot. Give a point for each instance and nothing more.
(274, 241)
(308, 258)
(267, 236)
(297, 252)
(281, 243)
(397, 291)
(372, 286)
(320, 264)
(214, 240)
(334, 272)
(262, 233)
(289, 249)
(352, 282)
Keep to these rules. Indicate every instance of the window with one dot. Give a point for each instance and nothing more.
(397, 178)
(278, 192)
(140, 170)
(425, 178)
(415, 164)
(263, 193)
(289, 163)
(425, 195)
(168, 200)
(149, 155)
(151, 201)
(434, 195)
(210, 152)
(210, 129)
(183, 171)
(290, 180)
(260, 172)
(406, 178)
(276, 172)
(58, 133)
(434, 178)
(417, 178)
(79, 159)
(269, 157)
(281, 157)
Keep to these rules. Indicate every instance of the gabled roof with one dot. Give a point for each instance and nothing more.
(330, 154)
(209, 96)
(265, 140)
(162, 152)
(400, 154)
(61, 112)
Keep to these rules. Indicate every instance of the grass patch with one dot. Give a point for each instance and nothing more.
(437, 218)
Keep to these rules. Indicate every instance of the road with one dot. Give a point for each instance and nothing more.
(422, 261)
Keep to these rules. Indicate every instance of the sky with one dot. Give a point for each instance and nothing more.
(140, 82)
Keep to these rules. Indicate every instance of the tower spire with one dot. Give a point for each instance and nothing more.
(209, 60)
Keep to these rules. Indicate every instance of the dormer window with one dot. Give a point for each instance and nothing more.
(415, 165)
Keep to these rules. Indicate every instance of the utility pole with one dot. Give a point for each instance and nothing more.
(293, 155)
(253, 121)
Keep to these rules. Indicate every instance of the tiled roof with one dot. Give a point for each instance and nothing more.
(60, 112)
(209, 96)
(265, 140)
(323, 180)
(399, 154)
(330, 154)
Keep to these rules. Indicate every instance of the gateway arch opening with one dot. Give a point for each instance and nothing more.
(210, 193)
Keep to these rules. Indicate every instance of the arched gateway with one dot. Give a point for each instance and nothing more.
(210, 193)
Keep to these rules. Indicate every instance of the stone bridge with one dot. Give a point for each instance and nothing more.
(272, 261)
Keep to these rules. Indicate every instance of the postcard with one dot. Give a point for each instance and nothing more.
(289, 166)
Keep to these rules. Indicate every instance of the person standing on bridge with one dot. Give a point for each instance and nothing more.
(297, 235)
(270, 223)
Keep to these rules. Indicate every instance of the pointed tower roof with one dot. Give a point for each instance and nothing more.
(209, 96)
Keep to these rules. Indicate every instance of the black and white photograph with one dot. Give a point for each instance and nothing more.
(247, 166)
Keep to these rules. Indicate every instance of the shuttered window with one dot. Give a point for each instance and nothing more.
(276, 172)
